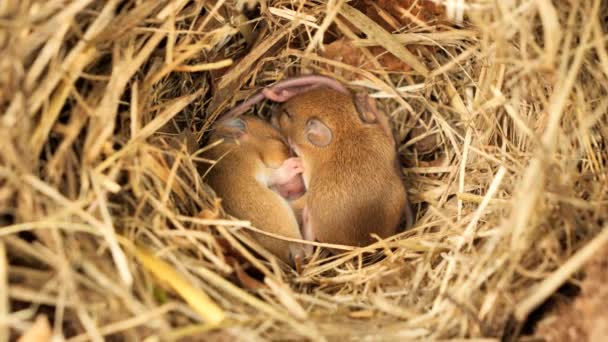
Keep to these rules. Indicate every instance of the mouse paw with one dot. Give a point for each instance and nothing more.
(290, 169)
(287, 180)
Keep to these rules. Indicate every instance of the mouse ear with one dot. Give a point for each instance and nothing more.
(317, 133)
(234, 127)
(366, 107)
(368, 113)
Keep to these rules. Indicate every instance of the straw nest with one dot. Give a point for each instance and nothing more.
(109, 230)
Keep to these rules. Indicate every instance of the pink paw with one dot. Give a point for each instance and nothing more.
(290, 169)
(287, 179)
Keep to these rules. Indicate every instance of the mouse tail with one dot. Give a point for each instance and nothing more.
(286, 89)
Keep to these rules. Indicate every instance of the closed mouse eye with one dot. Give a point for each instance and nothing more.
(317, 133)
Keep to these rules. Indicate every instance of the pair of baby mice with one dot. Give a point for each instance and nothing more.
(344, 184)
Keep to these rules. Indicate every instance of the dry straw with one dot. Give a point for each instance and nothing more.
(104, 109)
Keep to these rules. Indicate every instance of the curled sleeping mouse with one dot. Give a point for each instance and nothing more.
(255, 178)
(353, 180)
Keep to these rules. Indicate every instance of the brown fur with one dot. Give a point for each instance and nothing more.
(259, 151)
(353, 186)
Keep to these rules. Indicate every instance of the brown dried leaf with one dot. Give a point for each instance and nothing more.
(343, 50)
(428, 142)
(402, 13)
(439, 161)
(389, 61)
(245, 279)
(381, 36)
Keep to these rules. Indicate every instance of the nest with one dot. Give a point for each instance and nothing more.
(109, 230)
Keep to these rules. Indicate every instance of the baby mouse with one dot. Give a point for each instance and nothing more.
(351, 172)
(255, 177)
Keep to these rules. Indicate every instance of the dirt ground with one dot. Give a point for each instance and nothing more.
(586, 317)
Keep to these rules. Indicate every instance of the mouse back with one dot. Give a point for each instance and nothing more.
(351, 168)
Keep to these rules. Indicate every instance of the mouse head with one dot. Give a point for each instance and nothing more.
(256, 135)
(321, 117)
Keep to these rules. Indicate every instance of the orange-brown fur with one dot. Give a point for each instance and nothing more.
(353, 186)
(236, 179)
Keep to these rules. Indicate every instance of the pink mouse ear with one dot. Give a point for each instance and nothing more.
(368, 113)
(366, 107)
(317, 133)
(233, 127)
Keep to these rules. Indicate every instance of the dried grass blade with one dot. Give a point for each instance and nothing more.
(42, 33)
(286, 297)
(253, 56)
(333, 8)
(551, 30)
(43, 91)
(302, 328)
(205, 66)
(107, 230)
(119, 326)
(198, 300)
(49, 50)
(548, 286)
(4, 300)
(469, 231)
(89, 324)
(600, 46)
(102, 125)
(49, 117)
(292, 15)
(161, 119)
(433, 38)
(534, 178)
(120, 259)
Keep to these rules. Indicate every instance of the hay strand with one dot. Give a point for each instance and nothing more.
(198, 299)
(499, 113)
(561, 275)
(4, 300)
(383, 38)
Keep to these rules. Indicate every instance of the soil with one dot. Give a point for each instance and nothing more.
(586, 317)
